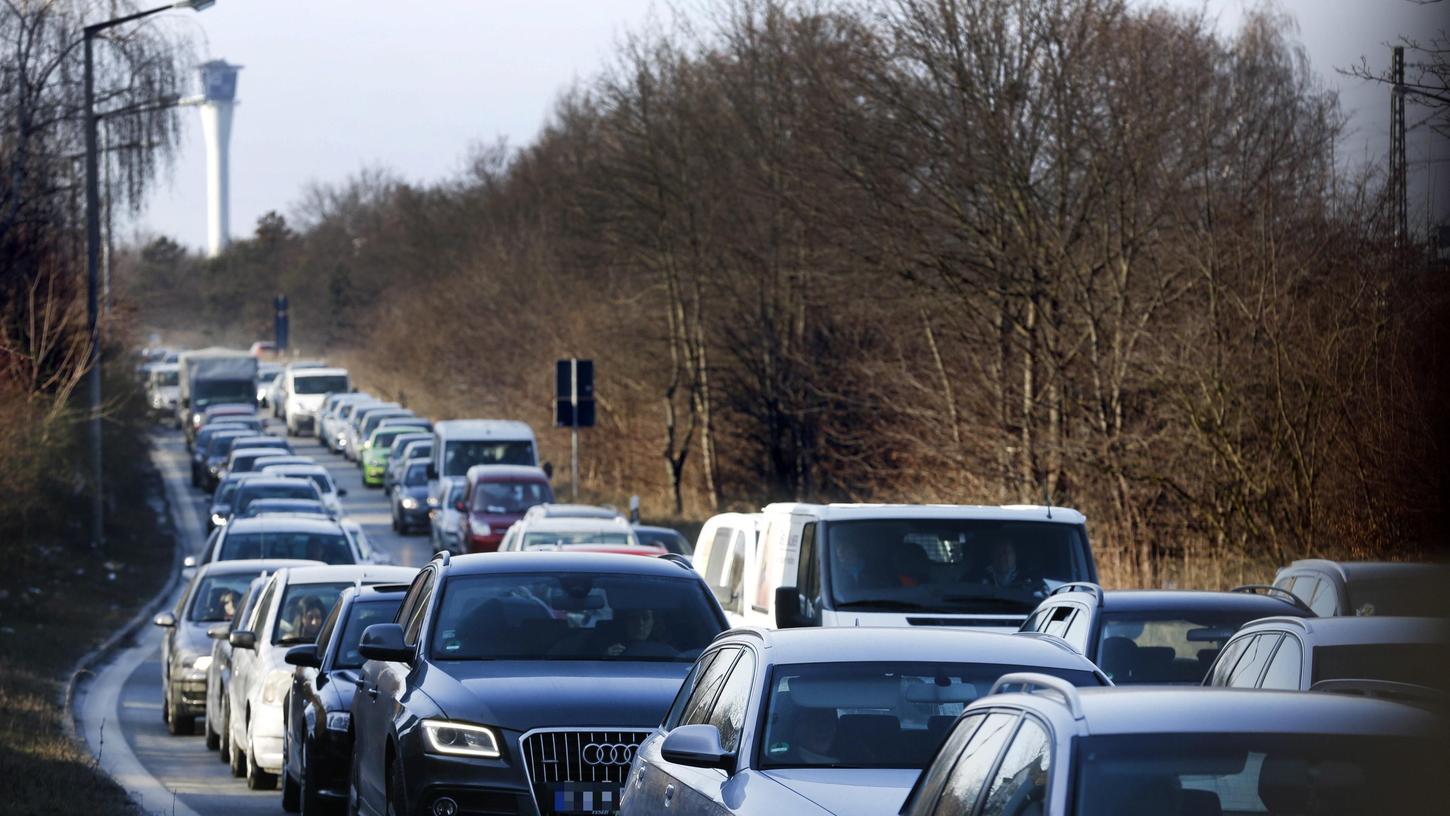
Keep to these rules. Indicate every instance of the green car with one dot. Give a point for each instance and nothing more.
(375, 452)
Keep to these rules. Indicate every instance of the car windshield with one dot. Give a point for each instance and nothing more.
(1153, 774)
(417, 476)
(263, 506)
(329, 548)
(509, 498)
(1151, 648)
(293, 489)
(303, 609)
(460, 456)
(573, 616)
(456, 492)
(1422, 664)
(362, 615)
(669, 539)
(874, 715)
(319, 478)
(210, 392)
(376, 418)
(384, 438)
(221, 443)
(1420, 593)
(226, 491)
(418, 451)
(218, 596)
(546, 539)
(948, 564)
(319, 384)
(166, 378)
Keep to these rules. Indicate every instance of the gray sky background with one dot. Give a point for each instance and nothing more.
(330, 87)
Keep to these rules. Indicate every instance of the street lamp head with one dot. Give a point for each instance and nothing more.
(194, 5)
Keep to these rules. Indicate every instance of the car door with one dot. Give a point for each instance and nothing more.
(659, 784)
(723, 701)
(246, 663)
(373, 708)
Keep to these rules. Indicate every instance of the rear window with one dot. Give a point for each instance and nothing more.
(1423, 664)
(1177, 649)
(297, 489)
(318, 385)
(509, 498)
(546, 540)
(329, 548)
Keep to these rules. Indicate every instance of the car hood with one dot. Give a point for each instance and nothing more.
(308, 402)
(846, 791)
(520, 695)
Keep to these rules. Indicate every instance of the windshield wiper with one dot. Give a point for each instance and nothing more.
(883, 603)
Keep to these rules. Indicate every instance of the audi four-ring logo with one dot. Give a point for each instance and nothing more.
(607, 753)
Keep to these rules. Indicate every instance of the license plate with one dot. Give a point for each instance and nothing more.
(584, 798)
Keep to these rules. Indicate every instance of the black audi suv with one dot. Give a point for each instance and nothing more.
(522, 682)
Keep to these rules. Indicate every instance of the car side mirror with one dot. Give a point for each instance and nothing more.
(432, 471)
(461, 506)
(697, 746)
(243, 639)
(305, 655)
(788, 609)
(548, 469)
(188, 562)
(165, 620)
(219, 631)
(384, 641)
(341, 491)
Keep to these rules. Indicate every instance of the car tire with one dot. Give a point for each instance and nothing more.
(236, 760)
(258, 779)
(176, 725)
(213, 739)
(397, 792)
(291, 791)
(311, 804)
(224, 740)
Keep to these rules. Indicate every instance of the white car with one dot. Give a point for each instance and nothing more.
(290, 612)
(305, 390)
(572, 533)
(445, 520)
(351, 428)
(332, 425)
(320, 476)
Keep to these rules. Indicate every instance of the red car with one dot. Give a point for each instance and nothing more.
(498, 496)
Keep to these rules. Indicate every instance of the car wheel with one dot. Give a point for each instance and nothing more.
(236, 759)
(258, 779)
(224, 739)
(213, 739)
(311, 803)
(176, 724)
(291, 793)
(397, 794)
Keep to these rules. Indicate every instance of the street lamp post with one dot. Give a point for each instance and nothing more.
(93, 255)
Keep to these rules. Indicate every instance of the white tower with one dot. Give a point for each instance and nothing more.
(219, 93)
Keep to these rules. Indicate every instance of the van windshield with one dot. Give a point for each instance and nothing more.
(950, 565)
(462, 455)
(319, 384)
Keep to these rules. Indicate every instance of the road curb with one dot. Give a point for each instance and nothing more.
(84, 668)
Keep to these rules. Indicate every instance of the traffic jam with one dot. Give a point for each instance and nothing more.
(545, 657)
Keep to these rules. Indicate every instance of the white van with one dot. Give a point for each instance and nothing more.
(796, 564)
(459, 444)
(305, 389)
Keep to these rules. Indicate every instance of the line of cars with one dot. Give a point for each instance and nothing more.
(808, 658)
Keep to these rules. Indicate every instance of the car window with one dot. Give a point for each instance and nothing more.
(716, 562)
(1019, 785)
(329, 548)
(1077, 630)
(1057, 622)
(217, 597)
(1175, 646)
(302, 611)
(687, 688)
(1256, 655)
(1284, 669)
(975, 764)
(1226, 661)
(697, 708)
(264, 605)
(329, 626)
(728, 714)
(808, 572)
(929, 784)
(1325, 600)
(1034, 621)
(360, 617)
(418, 611)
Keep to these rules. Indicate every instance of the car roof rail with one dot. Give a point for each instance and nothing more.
(677, 560)
(1028, 681)
(1271, 590)
(755, 631)
(442, 557)
(387, 587)
(1382, 690)
(1055, 640)
(1080, 586)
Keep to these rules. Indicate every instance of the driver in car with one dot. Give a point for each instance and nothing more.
(638, 627)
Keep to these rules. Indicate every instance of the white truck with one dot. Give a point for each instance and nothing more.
(212, 376)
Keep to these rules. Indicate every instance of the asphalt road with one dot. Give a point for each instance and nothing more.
(178, 775)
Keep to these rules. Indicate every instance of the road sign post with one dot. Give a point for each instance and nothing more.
(574, 407)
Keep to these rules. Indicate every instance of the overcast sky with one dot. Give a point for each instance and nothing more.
(329, 87)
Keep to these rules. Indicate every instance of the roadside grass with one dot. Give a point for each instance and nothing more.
(59, 599)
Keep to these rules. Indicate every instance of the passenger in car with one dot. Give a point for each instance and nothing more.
(637, 641)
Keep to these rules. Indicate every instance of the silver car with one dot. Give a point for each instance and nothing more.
(445, 520)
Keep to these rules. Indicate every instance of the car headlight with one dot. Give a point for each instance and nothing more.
(460, 739)
(338, 720)
(482, 529)
(410, 503)
(217, 519)
(279, 681)
(432, 501)
(201, 662)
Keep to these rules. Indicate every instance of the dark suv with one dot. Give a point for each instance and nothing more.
(522, 682)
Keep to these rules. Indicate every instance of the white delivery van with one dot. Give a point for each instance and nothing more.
(459, 444)
(972, 566)
(305, 389)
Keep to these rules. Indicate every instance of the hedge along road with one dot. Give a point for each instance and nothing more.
(118, 711)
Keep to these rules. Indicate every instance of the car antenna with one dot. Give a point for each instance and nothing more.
(1047, 495)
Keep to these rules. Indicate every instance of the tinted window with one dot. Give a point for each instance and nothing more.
(1325, 600)
(304, 609)
(460, 456)
(1256, 655)
(953, 565)
(1020, 784)
(1423, 664)
(929, 784)
(361, 616)
(1155, 774)
(697, 707)
(1414, 594)
(1226, 662)
(728, 715)
(573, 616)
(547, 540)
(970, 773)
(318, 384)
(1284, 669)
(808, 571)
(417, 476)
(217, 597)
(874, 715)
(419, 600)
(509, 498)
(687, 688)
(295, 489)
(1156, 648)
(329, 548)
